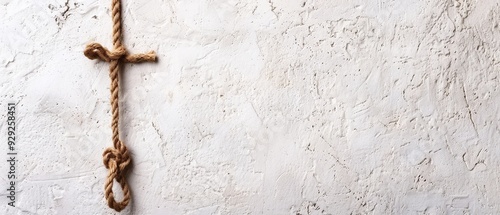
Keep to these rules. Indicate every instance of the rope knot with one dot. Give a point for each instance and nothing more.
(116, 160)
(97, 51)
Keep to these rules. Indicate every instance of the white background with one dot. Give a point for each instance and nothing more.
(258, 106)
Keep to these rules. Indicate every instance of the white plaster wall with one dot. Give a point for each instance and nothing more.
(258, 106)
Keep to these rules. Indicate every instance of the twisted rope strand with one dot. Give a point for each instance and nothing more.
(117, 158)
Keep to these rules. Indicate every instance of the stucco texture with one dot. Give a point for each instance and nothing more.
(258, 106)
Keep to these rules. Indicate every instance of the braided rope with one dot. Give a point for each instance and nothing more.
(117, 158)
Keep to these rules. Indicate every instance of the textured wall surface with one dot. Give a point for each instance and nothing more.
(258, 106)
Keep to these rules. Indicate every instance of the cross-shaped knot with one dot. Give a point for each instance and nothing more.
(97, 51)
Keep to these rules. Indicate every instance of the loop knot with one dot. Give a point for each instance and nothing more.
(116, 160)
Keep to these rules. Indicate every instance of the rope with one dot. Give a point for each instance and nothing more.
(117, 158)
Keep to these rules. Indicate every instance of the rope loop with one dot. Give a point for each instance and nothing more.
(117, 161)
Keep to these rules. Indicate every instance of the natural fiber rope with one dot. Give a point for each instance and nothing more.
(116, 159)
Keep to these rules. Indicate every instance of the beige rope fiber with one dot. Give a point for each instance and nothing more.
(116, 159)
